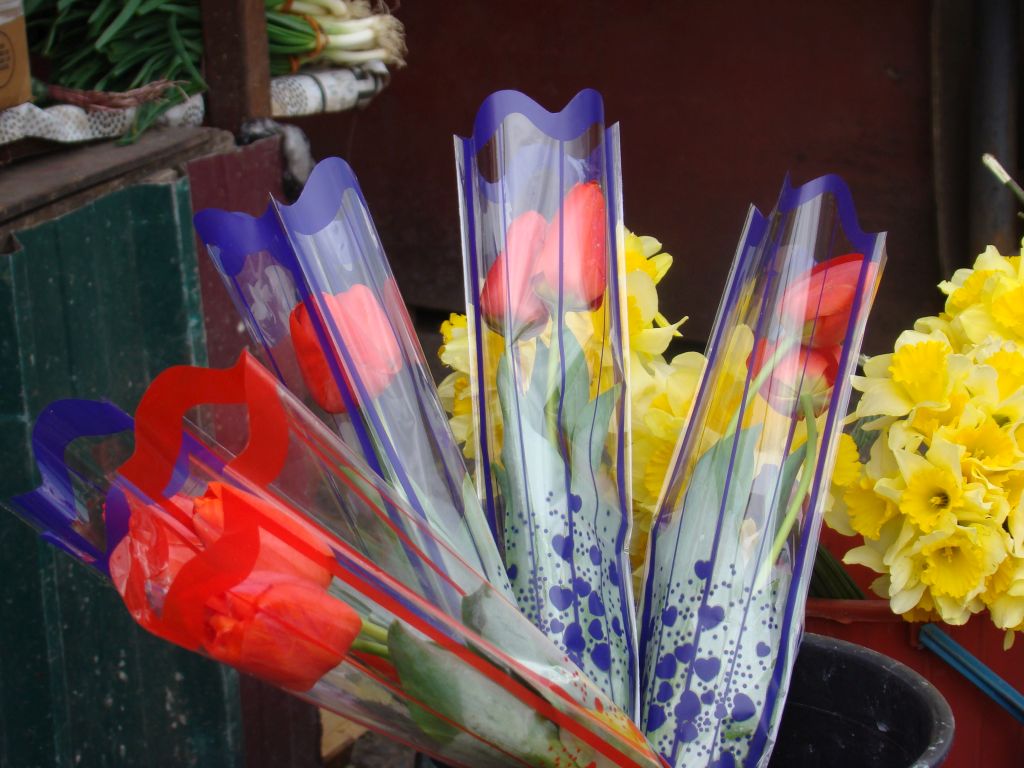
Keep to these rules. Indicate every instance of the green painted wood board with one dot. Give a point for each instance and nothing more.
(94, 304)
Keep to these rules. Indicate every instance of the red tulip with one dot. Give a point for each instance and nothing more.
(823, 299)
(367, 335)
(275, 555)
(516, 304)
(575, 250)
(274, 619)
(289, 632)
(801, 371)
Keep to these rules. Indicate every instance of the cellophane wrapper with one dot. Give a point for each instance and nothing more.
(542, 236)
(236, 524)
(734, 541)
(312, 283)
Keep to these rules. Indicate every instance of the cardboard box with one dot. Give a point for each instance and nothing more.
(15, 85)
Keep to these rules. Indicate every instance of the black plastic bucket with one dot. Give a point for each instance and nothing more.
(851, 707)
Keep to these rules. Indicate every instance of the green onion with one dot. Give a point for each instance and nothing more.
(118, 45)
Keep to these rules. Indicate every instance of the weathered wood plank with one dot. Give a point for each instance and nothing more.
(102, 298)
(45, 187)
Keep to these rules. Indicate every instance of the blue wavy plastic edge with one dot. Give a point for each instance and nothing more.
(237, 235)
(870, 245)
(792, 197)
(52, 507)
(582, 111)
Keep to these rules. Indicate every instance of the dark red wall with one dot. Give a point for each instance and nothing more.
(717, 101)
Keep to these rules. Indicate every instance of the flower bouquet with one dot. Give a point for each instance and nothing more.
(541, 225)
(317, 295)
(310, 520)
(286, 557)
(734, 541)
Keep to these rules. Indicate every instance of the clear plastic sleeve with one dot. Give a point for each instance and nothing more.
(234, 523)
(734, 541)
(313, 285)
(541, 220)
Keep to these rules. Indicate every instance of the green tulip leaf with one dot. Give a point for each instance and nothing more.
(450, 690)
(575, 393)
(588, 431)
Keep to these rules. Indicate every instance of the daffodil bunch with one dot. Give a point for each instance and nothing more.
(661, 389)
(937, 497)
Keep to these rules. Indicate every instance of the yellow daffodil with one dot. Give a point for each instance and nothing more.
(925, 610)
(985, 302)
(920, 369)
(940, 503)
(659, 418)
(454, 351)
(457, 400)
(649, 333)
(957, 563)
(847, 468)
(732, 380)
(644, 254)
(988, 448)
(867, 510)
(923, 371)
(1004, 596)
(931, 499)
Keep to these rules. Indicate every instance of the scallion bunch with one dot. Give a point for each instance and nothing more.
(112, 45)
(121, 45)
(332, 32)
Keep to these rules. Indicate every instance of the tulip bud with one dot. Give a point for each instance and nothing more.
(277, 621)
(801, 371)
(366, 334)
(275, 555)
(288, 632)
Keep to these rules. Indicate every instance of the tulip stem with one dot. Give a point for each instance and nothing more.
(810, 459)
(374, 631)
(369, 646)
(550, 401)
(758, 382)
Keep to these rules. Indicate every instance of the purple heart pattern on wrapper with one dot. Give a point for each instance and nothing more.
(309, 517)
(733, 544)
(541, 217)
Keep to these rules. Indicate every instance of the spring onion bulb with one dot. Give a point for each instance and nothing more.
(300, 39)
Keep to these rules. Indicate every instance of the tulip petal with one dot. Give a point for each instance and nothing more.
(573, 260)
(507, 299)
